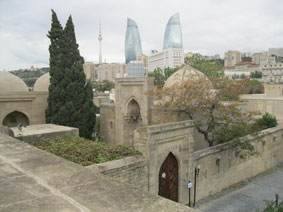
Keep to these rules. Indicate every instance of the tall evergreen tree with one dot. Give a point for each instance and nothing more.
(74, 107)
(56, 73)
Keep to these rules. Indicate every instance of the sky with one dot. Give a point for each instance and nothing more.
(209, 27)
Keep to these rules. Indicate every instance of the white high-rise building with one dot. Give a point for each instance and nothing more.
(171, 57)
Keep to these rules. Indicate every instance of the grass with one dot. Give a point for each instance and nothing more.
(83, 151)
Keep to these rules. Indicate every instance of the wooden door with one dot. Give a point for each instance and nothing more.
(168, 178)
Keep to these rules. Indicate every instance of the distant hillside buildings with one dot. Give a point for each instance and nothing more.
(267, 62)
(232, 58)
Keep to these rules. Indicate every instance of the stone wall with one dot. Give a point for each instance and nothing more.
(31, 104)
(265, 104)
(100, 98)
(132, 170)
(6, 131)
(273, 89)
(157, 142)
(40, 181)
(33, 133)
(107, 123)
(222, 166)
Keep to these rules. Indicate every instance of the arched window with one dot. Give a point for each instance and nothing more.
(14, 118)
(133, 111)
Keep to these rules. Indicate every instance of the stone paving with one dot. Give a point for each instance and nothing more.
(32, 180)
(251, 197)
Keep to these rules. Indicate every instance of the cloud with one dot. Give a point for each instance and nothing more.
(209, 26)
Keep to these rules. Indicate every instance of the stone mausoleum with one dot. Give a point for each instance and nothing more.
(18, 104)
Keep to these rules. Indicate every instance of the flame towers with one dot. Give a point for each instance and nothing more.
(173, 33)
(132, 42)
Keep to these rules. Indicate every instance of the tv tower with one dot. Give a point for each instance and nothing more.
(100, 39)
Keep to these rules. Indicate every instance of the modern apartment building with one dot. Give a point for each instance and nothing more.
(172, 58)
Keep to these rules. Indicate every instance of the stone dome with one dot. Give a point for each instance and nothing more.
(42, 83)
(184, 74)
(11, 83)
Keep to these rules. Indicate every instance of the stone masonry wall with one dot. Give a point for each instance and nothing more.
(222, 166)
(107, 123)
(132, 170)
(157, 142)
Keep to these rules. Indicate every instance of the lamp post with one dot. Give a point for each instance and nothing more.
(197, 169)
(190, 186)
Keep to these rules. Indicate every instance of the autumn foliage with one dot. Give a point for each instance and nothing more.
(217, 112)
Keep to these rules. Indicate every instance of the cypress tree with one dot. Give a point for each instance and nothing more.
(56, 73)
(75, 107)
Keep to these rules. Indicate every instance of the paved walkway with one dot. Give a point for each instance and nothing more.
(32, 180)
(250, 197)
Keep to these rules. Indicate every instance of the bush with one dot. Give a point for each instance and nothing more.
(256, 74)
(274, 208)
(255, 87)
(84, 151)
(268, 120)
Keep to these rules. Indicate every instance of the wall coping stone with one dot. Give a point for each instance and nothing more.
(118, 164)
(107, 105)
(220, 147)
(169, 126)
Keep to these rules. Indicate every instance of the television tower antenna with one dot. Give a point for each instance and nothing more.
(100, 39)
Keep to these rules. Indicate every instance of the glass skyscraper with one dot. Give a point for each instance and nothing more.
(132, 42)
(173, 33)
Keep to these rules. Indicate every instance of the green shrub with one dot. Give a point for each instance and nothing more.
(268, 120)
(274, 208)
(84, 151)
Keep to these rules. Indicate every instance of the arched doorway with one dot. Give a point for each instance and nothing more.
(168, 178)
(14, 118)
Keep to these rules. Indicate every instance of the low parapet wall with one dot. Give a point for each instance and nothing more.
(222, 166)
(40, 181)
(33, 133)
(132, 170)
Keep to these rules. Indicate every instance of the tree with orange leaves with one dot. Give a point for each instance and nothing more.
(217, 119)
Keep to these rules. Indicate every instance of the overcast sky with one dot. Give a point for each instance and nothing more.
(209, 27)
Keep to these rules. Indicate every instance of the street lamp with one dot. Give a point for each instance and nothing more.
(197, 169)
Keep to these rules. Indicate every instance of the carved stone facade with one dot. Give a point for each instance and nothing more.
(132, 110)
(157, 142)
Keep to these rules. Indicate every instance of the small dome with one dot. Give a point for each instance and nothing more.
(184, 74)
(42, 83)
(11, 83)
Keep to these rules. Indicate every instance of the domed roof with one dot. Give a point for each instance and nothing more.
(42, 83)
(11, 83)
(184, 74)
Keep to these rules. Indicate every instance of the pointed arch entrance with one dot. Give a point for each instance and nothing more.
(168, 178)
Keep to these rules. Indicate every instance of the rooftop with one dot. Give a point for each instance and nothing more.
(33, 180)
